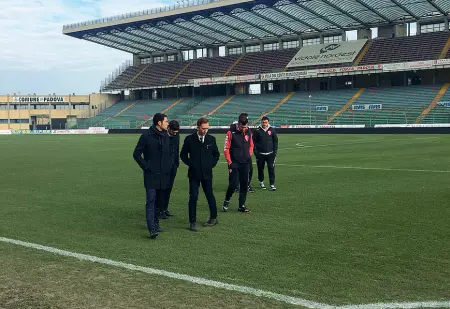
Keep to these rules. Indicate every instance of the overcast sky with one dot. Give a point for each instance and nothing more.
(35, 57)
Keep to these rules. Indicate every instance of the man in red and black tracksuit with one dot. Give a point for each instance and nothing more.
(238, 151)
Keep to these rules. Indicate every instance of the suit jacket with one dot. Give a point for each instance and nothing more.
(201, 158)
(157, 162)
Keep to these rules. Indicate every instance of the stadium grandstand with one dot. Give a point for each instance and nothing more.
(291, 60)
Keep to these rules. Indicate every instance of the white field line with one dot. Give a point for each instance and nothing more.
(360, 168)
(232, 287)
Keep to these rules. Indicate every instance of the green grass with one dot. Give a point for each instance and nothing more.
(340, 236)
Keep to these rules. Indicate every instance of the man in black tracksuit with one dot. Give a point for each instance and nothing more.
(201, 155)
(266, 147)
(174, 139)
(156, 166)
(238, 151)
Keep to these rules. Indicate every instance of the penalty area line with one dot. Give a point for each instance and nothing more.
(222, 285)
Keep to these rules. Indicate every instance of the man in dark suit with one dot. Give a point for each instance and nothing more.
(174, 139)
(156, 165)
(200, 154)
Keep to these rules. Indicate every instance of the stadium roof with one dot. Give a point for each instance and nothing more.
(219, 22)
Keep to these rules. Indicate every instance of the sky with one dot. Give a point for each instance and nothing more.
(35, 57)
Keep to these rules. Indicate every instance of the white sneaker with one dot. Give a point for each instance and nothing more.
(272, 188)
(262, 186)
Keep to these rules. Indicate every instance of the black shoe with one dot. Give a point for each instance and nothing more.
(193, 227)
(159, 229)
(225, 206)
(250, 189)
(211, 222)
(244, 209)
(153, 234)
(163, 216)
(168, 213)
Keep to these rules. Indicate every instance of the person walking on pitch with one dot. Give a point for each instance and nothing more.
(201, 155)
(238, 151)
(266, 147)
(174, 142)
(156, 166)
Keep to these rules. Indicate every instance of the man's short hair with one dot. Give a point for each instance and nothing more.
(157, 118)
(265, 118)
(243, 119)
(202, 121)
(174, 125)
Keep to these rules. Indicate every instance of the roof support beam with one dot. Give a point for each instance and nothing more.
(374, 11)
(250, 35)
(131, 32)
(405, 9)
(254, 25)
(438, 8)
(305, 23)
(116, 46)
(273, 21)
(190, 30)
(138, 42)
(123, 44)
(213, 30)
(346, 13)
(183, 44)
(320, 16)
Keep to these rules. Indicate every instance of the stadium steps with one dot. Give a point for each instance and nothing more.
(433, 104)
(118, 113)
(285, 99)
(445, 49)
(171, 105)
(136, 76)
(362, 53)
(346, 106)
(221, 105)
(234, 65)
(179, 73)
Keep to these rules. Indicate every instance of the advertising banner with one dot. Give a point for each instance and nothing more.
(5, 132)
(344, 126)
(359, 107)
(284, 75)
(414, 125)
(27, 131)
(318, 54)
(441, 62)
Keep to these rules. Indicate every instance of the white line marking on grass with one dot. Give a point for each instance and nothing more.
(232, 287)
(365, 168)
(153, 271)
(359, 168)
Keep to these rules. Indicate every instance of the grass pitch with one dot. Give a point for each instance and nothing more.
(356, 219)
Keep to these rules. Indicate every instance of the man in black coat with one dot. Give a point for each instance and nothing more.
(156, 165)
(200, 154)
(174, 139)
(266, 147)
